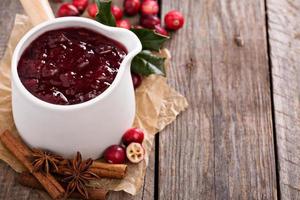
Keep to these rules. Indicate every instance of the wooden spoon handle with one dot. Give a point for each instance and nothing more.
(38, 10)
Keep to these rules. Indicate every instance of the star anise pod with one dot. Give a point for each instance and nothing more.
(45, 161)
(77, 174)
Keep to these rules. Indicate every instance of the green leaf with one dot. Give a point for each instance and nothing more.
(146, 63)
(150, 40)
(104, 15)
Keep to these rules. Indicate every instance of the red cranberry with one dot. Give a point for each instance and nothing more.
(123, 23)
(136, 79)
(92, 10)
(117, 12)
(161, 30)
(149, 7)
(174, 20)
(81, 5)
(115, 154)
(133, 135)
(67, 9)
(132, 7)
(149, 21)
(135, 152)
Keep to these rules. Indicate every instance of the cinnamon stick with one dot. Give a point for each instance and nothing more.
(106, 170)
(28, 180)
(23, 153)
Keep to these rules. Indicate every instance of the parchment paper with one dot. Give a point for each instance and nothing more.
(157, 106)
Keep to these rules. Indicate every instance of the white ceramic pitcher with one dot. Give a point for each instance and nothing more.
(87, 127)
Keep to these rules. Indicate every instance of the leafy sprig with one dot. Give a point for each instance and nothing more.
(146, 62)
(104, 14)
(150, 39)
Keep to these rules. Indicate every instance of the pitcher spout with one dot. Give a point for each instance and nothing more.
(131, 43)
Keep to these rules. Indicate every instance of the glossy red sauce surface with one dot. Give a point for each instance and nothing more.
(70, 66)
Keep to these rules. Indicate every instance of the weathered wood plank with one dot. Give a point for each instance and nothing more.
(222, 147)
(186, 147)
(284, 39)
(8, 10)
(242, 102)
(9, 188)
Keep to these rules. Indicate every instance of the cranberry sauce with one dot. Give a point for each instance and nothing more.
(70, 66)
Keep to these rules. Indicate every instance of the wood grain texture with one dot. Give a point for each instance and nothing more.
(222, 147)
(284, 39)
(186, 147)
(8, 10)
(9, 188)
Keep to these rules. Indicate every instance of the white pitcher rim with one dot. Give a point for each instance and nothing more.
(81, 20)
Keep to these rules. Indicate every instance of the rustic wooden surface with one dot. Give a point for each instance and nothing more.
(284, 37)
(223, 146)
(9, 188)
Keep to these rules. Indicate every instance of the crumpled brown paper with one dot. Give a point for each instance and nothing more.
(157, 106)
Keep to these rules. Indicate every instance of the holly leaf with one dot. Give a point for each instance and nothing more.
(146, 63)
(104, 15)
(150, 40)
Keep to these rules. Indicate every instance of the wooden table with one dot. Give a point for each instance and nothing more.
(238, 64)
